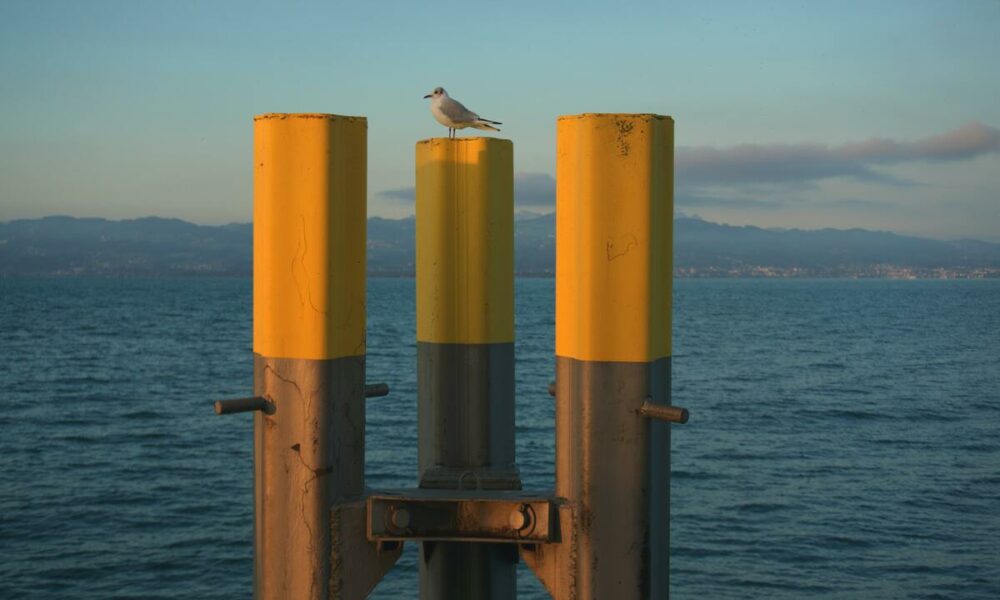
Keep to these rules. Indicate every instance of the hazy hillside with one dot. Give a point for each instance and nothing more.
(149, 246)
(170, 247)
(701, 244)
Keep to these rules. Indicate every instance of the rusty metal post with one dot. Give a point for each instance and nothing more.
(308, 342)
(465, 348)
(614, 224)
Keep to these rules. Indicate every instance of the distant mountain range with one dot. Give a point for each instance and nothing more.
(171, 247)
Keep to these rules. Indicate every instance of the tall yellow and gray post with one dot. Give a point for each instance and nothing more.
(614, 223)
(465, 348)
(308, 342)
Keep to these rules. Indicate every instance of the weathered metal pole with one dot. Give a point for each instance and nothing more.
(465, 348)
(308, 342)
(614, 241)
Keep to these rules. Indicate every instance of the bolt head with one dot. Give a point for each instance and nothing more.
(518, 518)
(400, 518)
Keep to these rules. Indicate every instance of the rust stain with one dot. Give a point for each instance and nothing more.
(574, 553)
(325, 116)
(624, 130)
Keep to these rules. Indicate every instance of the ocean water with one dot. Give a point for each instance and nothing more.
(843, 441)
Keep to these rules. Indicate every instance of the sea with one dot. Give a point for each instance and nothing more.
(843, 439)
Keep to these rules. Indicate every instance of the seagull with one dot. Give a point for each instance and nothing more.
(452, 114)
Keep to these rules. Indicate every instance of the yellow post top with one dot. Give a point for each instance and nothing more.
(310, 210)
(465, 240)
(614, 236)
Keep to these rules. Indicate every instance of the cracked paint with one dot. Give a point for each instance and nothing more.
(299, 272)
(620, 246)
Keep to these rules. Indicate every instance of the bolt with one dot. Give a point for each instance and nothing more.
(400, 518)
(519, 518)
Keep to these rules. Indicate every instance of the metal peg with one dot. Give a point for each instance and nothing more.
(673, 414)
(373, 390)
(238, 405)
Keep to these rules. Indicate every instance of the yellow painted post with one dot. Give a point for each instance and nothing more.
(465, 240)
(614, 235)
(614, 241)
(465, 348)
(308, 342)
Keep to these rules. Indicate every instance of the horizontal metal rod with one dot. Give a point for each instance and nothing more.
(374, 390)
(673, 414)
(238, 405)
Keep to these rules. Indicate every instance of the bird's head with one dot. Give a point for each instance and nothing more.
(437, 93)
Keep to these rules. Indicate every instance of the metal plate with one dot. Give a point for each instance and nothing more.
(453, 516)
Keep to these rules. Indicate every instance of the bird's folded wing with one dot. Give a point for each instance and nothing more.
(454, 110)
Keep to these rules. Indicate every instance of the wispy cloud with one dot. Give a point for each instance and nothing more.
(402, 195)
(772, 176)
(810, 162)
(532, 191)
(710, 200)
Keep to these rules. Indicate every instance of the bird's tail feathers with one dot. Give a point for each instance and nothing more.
(481, 124)
(490, 122)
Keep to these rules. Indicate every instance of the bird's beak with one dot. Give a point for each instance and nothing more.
(427, 96)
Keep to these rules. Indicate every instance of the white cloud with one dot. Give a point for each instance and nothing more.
(810, 162)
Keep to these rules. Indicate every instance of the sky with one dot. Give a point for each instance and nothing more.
(788, 114)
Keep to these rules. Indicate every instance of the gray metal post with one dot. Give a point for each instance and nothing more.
(308, 455)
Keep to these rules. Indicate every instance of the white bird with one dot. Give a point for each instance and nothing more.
(452, 114)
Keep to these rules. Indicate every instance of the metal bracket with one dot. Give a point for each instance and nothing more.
(448, 515)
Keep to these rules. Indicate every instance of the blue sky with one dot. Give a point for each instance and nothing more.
(788, 114)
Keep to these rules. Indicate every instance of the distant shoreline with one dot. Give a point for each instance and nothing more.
(156, 247)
